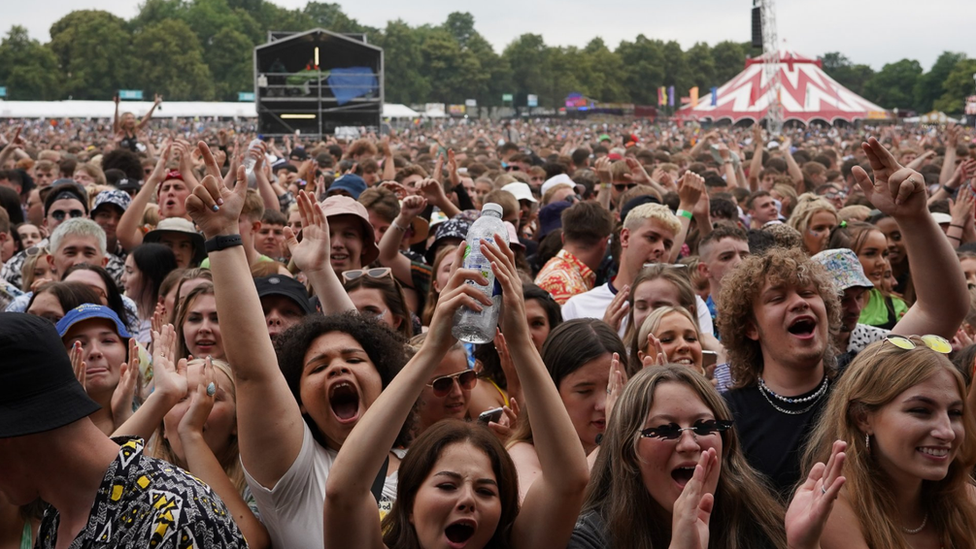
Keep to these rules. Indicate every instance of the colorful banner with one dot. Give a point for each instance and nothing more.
(670, 96)
(661, 96)
(714, 96)
(693, 92)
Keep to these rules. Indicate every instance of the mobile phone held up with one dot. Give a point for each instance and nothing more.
(490, 416)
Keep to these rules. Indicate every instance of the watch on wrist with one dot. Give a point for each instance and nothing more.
(218, 243)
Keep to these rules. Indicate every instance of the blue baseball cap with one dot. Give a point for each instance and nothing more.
(351, 183)
(88, 311)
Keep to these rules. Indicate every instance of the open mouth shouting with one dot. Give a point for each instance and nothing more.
(683, 473)
(803, 327)
(344, 401)
(459, 532)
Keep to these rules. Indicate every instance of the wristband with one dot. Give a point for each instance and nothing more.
(397, 226)
(949, 190)
(218, 243)
(684, 213)
(957, 226)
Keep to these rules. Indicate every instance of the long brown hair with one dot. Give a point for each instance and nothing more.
(676, 275)
(183, 311)
(874, 379)
(393, 297)
(433, 294)
(746, 514)
(399, 532)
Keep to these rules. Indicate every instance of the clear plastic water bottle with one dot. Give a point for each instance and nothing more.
(473, 326)
(249, 160)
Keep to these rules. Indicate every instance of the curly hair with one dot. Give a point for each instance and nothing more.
(741, 290)
(385, 349)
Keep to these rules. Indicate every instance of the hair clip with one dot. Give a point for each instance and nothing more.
(843, 225)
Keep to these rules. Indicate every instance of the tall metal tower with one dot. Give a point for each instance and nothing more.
(774, 114)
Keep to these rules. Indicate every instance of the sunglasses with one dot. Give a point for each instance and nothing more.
(702, 427)
(378, 272)
(35, 250)
(443, 385)
(59, 215)
(937, 343)
(621, 187)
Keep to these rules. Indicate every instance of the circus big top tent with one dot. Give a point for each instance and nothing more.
(806, 94)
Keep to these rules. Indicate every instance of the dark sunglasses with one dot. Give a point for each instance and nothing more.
(378, 272)
(59, 215)
(621, 187)
(511, 168)
(443, 385)
(702, 428)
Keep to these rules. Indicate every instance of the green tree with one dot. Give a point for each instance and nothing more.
(958, 86)
(701, 67)
(455, 74)
(494, 66)
(846, 73)
(931, 86)
(331, 17)
(402, 61)
(170, 62)
(94, 53)
(231, 64)
(27, 69)
(676, 71)
(529, 59)
(643, 68)
(461, 27)
(601, 73)
(729, 59)
(892, 86)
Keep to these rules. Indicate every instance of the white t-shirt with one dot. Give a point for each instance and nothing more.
(594, 303)
(292, 509)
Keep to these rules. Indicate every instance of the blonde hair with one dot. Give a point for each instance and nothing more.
(856, 212)
(158, 446)
(651, 324)
(660, 212)
(874, 379)
(807, 205)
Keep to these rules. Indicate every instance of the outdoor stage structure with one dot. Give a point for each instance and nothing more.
(803, 91)
(316, 81)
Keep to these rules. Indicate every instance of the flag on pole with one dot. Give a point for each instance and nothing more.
(661, 97)
(670, 96)
(693, 92)
(714, 96)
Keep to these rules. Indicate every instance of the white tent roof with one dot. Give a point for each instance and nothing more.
(805, 93)
(169, 109)
(934, 117)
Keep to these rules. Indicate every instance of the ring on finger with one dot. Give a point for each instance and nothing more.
(823, 489)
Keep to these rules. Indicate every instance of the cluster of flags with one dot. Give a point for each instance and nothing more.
(665, 96)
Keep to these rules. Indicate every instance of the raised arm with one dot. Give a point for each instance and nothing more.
(389, 168)
(756, 165)
(900, 192)
(312, 255)
(128, 229)
(792, 167)
(949, 159)
(689, 192)
(350, 516)
(169, 386)
(270, 425)
(552, 504)
(115, 119)
(389, 244)
(145, 119)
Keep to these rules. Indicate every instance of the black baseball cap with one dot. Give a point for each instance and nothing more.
(287, 287)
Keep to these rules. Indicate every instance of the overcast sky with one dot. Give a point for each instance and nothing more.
(874, 32)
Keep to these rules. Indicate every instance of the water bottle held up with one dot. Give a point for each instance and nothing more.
(473, 326)
(249, 159)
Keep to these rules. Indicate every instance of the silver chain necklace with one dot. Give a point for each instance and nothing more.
(815, 397)
(916, 530)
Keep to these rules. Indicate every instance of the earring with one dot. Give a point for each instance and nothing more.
(867, 442)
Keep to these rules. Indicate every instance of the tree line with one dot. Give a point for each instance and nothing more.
(201, 50)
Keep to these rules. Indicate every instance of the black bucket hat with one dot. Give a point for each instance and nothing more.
(38, 388)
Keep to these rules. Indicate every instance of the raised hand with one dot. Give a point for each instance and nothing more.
(655, 355)
(125, 391)
(169, 371)
(412, 206)
(896, 190)
(693, 508)
(690, 190)
(813, 501)
(432, 190)
(602, 168)
(77, 364)
(618, 308)
(457, 293)
(201, 403)
(637, 172)
(159, 171)
(213, 206)
(314, 252)
(618, 378)
(513, 319)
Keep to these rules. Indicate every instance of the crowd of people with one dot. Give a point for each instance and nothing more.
(707, 337)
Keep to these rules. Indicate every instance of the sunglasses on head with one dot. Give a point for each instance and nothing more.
(35, 250)
(59, 215)
(937, 343)
(702, 428)
(443, 385)
(621, 187)
(378, 272)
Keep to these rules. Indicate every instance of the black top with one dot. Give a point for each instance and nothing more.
(590, 533)
(771, 440)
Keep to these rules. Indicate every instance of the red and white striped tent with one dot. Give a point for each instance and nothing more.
(806, 94)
